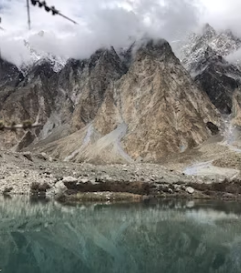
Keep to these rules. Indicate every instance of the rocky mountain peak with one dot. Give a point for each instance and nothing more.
(38, 56)
(205, 58)
(146, 114)
(126, 54)
(159, 49)
(208, 32)
(108, 59)
(223, 43)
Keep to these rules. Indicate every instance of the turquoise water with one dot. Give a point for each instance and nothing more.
(168, 237)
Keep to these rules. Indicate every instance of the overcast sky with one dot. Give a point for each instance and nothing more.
(107, 22)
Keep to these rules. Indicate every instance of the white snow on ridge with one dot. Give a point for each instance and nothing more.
(223, 43)
(23, 50)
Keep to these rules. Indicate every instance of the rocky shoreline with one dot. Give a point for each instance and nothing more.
(139, 191)
(40, 175)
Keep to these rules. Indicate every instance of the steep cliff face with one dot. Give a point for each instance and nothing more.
(63, 101)
(157, 100)
(31, 98)
(88, 93)
(140, 105)
(8, 73)
(152, 110)
(204, 57)
(219, 79)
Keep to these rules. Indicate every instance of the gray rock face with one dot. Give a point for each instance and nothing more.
(9, 74)
(219, 79)
(63, 102)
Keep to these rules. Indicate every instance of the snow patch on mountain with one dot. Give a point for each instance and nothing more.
(38, 56)
(22, 51)
(208, 43)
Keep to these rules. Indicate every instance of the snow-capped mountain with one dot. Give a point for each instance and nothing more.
(204, 55)
(39, 56)
(197, 45)
(26, 50)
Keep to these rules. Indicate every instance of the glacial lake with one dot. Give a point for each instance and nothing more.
(168, 237)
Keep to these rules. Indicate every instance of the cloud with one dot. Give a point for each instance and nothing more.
(224, 14)
(101, 23)
(234, 57)
(14, 50)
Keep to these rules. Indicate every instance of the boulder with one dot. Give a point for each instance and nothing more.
(190, 190)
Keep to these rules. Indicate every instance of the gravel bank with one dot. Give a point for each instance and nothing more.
(27, 173)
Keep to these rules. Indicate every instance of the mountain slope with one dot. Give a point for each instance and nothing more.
(152, 110)
(62, 101)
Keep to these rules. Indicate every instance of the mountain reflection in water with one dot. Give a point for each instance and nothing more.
(170, 237)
